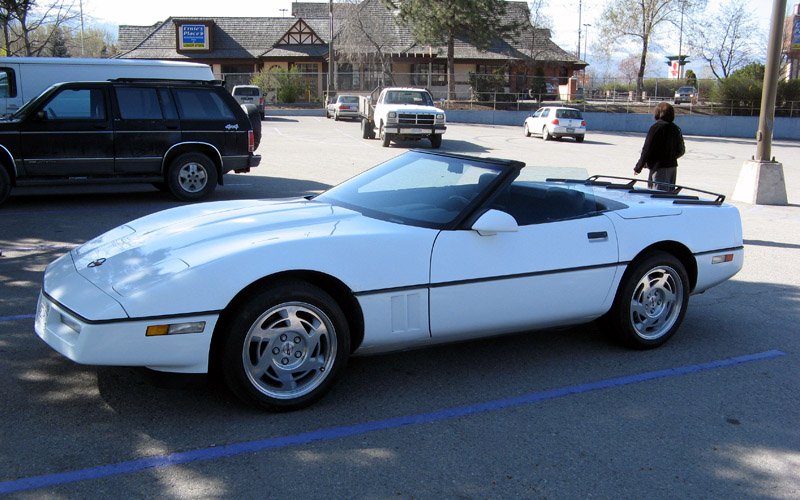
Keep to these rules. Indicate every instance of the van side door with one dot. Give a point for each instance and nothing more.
(145, 127)
(69, 134)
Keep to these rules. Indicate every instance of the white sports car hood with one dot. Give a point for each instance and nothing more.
(145, 251)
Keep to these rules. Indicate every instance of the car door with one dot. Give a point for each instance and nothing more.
(556, 269)
(70, 133)
(145, 127)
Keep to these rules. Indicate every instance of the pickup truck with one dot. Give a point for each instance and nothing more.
(402, 113)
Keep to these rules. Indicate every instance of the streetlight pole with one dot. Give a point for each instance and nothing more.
(330, 53)
(680, 42)
(580, 8)
(585, 51)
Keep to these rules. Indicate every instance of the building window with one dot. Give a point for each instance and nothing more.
(437, 71)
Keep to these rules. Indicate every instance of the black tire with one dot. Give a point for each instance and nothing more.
(285, 346)
(386, 139)
(546, 134)
(335, 117)
(436, 141)
(651, 302)
(578, 138)
(254, 115)
(5, 185)
(192, 177)
(527, 131)
(366, 129)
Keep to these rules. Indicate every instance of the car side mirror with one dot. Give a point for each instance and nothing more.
(41, 115)
(495, 221)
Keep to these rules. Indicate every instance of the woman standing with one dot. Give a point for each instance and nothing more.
(662, 148)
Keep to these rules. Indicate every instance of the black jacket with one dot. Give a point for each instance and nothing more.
(662, 147)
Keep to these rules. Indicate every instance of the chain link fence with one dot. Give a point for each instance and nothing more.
(499, 91)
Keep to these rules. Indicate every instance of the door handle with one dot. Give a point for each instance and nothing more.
(597, 235)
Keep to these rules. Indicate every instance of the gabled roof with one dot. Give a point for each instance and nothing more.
(232, 37)
(365, 27)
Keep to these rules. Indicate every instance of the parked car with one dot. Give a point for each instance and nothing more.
(556, 122)
(23, 78)
(345, 106)
(426, 248)
(686, 94)
(250, 94)
(180, 136)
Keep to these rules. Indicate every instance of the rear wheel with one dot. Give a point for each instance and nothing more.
(579, 138)
(651, 301)
(285, 346)
(436, 141)
(366, 129)
(5, 185)
(192, 176)
(546, 134)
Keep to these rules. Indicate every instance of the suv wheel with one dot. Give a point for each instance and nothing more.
(192, 176)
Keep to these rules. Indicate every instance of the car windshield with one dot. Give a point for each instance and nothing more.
(409, 97)
(686, 89)
(416, 188)
(348, 99)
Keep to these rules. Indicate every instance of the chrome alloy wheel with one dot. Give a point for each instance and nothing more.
(289, 350)
(193, 177)
(656, 302)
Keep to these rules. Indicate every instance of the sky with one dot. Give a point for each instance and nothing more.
(563, 13)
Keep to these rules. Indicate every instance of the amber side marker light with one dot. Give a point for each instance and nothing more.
(175, 329)
(719, 259)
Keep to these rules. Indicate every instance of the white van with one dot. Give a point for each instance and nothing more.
(23, 78)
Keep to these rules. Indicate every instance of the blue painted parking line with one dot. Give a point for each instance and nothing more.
(18, 317)
(205, 454)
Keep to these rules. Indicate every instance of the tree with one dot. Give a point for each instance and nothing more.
(59, 44)
(366, 26)
(724, 40)
(442, 22)
(28, 26)
(639, 20)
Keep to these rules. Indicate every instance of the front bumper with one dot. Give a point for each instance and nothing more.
(416, 130)
(122, 342)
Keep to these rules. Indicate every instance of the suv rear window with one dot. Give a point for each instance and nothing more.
(201, 104)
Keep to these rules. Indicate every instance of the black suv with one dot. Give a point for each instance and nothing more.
(178, 135)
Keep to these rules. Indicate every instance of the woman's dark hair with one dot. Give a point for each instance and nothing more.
(664, 111)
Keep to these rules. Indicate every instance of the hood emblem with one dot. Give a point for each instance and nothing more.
(232, 126)
(97, 263)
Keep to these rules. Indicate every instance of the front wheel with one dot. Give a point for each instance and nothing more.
(436, 141)
(285, 346)
(527, 131)
(651, 301)
(386, 139)
(192, 176)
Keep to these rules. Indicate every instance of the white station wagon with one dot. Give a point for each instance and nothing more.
(555, 122)
(425, 248)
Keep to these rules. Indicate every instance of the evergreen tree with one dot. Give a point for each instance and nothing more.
(442, 22)
(59, 43)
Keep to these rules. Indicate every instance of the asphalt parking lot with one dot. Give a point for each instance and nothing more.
(553, 414)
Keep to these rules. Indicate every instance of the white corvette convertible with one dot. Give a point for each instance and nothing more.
(425, 248)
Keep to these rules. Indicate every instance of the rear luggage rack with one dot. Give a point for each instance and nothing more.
(673, 192)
